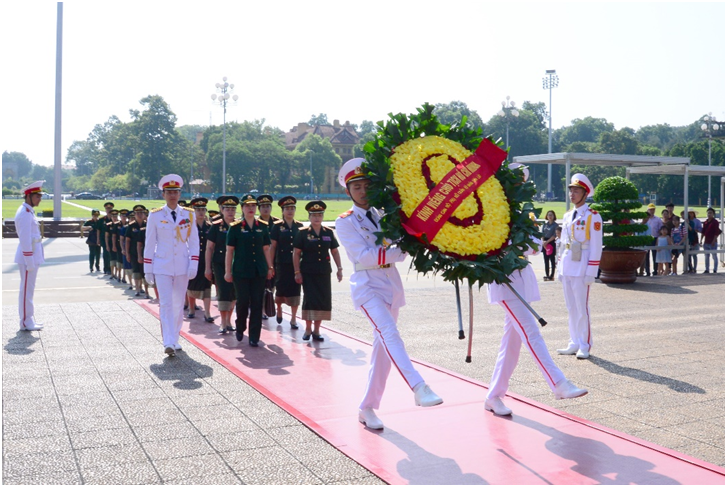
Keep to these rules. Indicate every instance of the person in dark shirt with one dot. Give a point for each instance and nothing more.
(200, 287)
(133, 237)
(215, 260)
(282, 236)
(314, 247)
(93, 228)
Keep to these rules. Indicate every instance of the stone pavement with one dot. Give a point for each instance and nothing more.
(91, 399)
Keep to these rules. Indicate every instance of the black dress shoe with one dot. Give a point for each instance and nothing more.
(253, 344)
(230, 328)
(318, 338)
(209, 319)
(293, 325)
(279, 319)
(239, 333)
(190, 315)
(137, 294)
(306, 336)
(222, 331)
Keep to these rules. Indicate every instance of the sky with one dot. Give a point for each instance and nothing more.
(634, 64)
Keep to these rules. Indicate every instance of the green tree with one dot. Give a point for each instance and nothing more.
(588, 129)
(16, 165)
(618, 142)
(452, 112)
(321, 119)
(319, 152)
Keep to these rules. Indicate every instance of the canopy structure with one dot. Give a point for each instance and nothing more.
(589, 159)
(686, 171)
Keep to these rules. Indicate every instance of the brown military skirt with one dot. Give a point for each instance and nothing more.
(317, 297)
(287, 291)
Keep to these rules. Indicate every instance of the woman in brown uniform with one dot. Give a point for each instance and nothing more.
(314, 247)
(200, 287)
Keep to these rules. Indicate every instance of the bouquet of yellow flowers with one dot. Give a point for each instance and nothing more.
(448, 199)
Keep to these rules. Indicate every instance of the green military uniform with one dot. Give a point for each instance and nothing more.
(287, 291)
(94, 245)
(217, 234)
(108, 206)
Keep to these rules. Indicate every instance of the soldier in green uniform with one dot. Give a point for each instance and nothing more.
(314, 247)
(140, 250)
(126, 265)
(112, 244)
(215, 260)
(200, 287)
(93, 229)
(282, 235)
(133, 238)
(265, 208)
(108, 206)
(248, 264)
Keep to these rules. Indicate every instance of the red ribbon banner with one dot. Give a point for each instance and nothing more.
(433, 212)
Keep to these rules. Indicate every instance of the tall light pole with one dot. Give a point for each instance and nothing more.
(508, 110)
(550, 82)
(708, 127)
(224, 89)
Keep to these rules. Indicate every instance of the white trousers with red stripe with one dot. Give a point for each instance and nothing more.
(172, 295)
(388, 348)
(26, 309)
(521, 329)
(579, 312)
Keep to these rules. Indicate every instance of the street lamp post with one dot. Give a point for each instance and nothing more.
(550, 82)
(224, 89)
(508, 110)
(708, 127)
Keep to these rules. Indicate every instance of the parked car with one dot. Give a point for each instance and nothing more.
(87, 196)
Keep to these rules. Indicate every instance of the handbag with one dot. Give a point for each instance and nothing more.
(268, 299)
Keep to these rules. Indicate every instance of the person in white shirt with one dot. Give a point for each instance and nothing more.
(377, 291)
(171, 258)
(29, 254)
(521, 328)
(654, 224)
(583, 237)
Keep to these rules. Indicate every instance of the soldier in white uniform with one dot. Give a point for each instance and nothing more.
(377, 290)
(522, 328)
(578, 268)
(29, 255)
(171, 258)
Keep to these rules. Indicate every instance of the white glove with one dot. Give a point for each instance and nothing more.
(31, 267)
(191, 271)
(149, 278)
(588, 280)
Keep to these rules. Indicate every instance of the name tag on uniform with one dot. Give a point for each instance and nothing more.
(326, 239)
(259, 231)
(164, 221)
(364, 228)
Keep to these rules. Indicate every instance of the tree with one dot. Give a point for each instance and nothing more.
(16, 165)
(319, 152)
(618, 142)
(321, 119)
(588, 129)
(452, 112)
(82, 154)
(367, 127)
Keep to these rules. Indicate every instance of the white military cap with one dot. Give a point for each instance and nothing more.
(526, 171)
(351, 171)
(581, 181)
(35, 187)
(171, 181)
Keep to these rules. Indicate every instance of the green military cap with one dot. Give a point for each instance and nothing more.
(199, 203)
(139, 208)
(264, 199)
(316, 206)
(214, 213)
(248, 199)
(114, 212)
(228, 201)
(287, 201)
(108, 203)
(95, 212)
(182, 202)
(124, 212)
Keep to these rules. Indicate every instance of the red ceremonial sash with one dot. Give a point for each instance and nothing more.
(430, 216)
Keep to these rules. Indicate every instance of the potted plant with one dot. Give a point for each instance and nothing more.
(617, 200)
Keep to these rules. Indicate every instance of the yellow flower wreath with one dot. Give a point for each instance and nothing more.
(489, 234)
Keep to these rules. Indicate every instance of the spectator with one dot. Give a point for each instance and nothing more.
(670, 208)
(549, 250)
(655, 224)
(678, 237)
(710, 232)
(695, 228)
(663, 257)
(666, 220)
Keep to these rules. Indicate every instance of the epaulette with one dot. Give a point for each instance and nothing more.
(345, 214)
(262, 221)
(217, 222)
(154, 210)
(327, 228)
(593, 211)
(236, 222)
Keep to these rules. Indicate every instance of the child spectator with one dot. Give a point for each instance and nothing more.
(663, 257)
(678, 237)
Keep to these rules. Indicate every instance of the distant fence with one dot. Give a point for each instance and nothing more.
(49, 228)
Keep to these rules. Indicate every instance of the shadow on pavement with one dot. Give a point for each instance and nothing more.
(185, 371)
(673, 384)
(20, 344)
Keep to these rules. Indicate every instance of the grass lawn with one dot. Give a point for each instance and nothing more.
(335, 208)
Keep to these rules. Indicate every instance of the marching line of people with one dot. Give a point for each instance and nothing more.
(183, 252)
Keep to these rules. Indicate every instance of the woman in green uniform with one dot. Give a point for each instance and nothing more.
(314, 247)
(282, 236)
(200, 287)
(93, 228)
(248, 264)
(215, 260)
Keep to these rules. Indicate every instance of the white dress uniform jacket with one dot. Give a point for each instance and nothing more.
(356, 233)
(172, 247)
(585, 226)
(30, 250)
(523, 281)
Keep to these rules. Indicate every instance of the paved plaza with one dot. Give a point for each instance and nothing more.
(92, 398)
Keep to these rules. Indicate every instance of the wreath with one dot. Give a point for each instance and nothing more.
(448, 200)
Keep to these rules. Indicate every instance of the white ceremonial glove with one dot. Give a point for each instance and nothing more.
(191, 272)
(149, 278)
(588, 280)
(30, 264)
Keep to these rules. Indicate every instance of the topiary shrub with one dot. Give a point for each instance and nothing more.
(615, 199)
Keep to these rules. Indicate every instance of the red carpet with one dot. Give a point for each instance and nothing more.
(455, 443)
